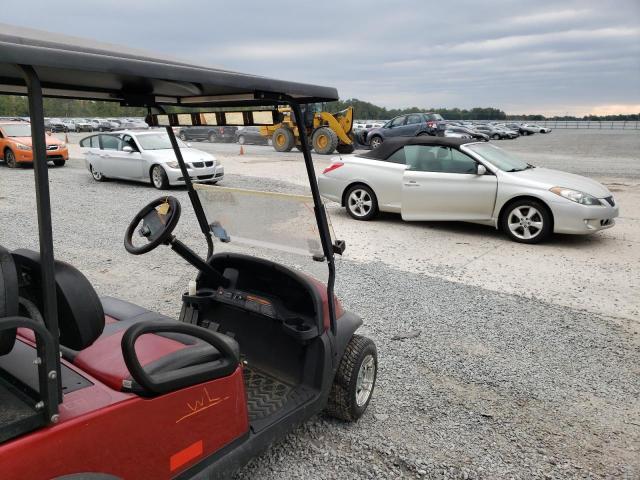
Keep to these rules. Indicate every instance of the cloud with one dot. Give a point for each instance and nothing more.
(519, 56)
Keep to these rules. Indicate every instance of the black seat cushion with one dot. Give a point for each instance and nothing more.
(80, 313)
(8, 298)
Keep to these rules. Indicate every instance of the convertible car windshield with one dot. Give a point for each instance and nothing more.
(157, 141)
(498, 157)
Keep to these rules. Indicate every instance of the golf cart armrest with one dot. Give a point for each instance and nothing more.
(165, 382)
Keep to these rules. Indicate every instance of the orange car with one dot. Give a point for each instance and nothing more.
(15, 145)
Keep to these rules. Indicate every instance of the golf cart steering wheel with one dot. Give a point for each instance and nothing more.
(159, 218)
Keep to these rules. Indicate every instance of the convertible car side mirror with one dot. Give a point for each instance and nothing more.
(481, 169)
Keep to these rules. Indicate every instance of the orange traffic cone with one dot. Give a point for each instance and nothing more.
(241, 150)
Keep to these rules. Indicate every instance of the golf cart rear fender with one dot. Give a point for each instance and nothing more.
(347, 324)
(321, 288)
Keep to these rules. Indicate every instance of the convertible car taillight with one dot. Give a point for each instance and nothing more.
(331, 167)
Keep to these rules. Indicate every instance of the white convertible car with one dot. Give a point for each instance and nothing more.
(146, 157)
(433, 178)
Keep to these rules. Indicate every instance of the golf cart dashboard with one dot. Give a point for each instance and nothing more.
(207, 307)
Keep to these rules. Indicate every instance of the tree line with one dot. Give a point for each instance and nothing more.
(13, 105)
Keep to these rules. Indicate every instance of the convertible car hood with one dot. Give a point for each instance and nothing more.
(557, 178)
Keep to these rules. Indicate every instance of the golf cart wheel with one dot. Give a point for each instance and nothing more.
(361, 203)
(324, 141)
(375, 142)
(10, 158)
(527, 221)
(59, 163)
(345, 149)
(183, 136)
(159, 177)
(97, 176)
(283, 140)
(355, 380)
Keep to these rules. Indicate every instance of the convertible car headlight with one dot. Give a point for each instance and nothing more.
(576, 196)
(22, 146)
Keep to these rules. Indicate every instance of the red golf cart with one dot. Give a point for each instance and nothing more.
(99, 388)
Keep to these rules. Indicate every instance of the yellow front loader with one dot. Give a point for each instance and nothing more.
(328, 131)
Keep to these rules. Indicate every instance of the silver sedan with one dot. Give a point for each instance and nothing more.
(426, 178)
(147, 157)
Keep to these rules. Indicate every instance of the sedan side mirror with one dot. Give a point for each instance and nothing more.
(188, 145)
(481, 169)
(127, 149)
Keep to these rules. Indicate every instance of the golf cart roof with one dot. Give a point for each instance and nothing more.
(70, 67)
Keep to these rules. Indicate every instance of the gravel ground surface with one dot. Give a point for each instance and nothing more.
(494, 386)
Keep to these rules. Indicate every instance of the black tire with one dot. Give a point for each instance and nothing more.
(97, 176)
(159, 177)
(283, 140)
(523, 227)
(346, 149)
(10, 158)
(241, 139)
(367, 209)
(59, 163)
(183, 136)
(525, 133)
(324, 141)
(345, 402)
(211, 137)
(495, 136)
(375, 141)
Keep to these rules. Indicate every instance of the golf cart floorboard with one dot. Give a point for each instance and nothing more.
(16, 415)
(269, 398)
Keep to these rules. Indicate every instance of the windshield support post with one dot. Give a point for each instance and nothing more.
(321, 217)
(45, 233)
(193, 196)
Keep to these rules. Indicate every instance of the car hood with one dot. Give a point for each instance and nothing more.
(556, 178)
(189, 155)
(27, 140)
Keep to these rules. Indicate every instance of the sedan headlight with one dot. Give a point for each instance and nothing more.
(174, 165)
(22, 146)
(576, 196)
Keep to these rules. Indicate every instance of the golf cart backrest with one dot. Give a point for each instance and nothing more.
(8, 298)
(80, 313)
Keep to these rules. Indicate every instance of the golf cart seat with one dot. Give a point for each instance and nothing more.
(157, 353)
(97, 335)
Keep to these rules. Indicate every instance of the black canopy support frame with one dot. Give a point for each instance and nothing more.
(319, 210)
(45, 232)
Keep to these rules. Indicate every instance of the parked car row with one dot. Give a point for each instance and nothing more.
(94, 124)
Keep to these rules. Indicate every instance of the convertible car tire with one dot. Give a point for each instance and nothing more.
(361, 202)
(527, 221)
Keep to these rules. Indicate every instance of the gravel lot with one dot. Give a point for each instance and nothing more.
(497, 385)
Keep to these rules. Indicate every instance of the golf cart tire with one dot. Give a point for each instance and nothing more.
(342, 402)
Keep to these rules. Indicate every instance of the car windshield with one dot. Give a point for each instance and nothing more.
(17, 130)
(157, 141)
(498, 157)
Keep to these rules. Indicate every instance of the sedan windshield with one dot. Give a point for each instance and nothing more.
(17, 130)
(498, 157)
(157, 141)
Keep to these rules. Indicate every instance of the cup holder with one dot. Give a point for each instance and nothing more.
(297, 324)
(202, 297)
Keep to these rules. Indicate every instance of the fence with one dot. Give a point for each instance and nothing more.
(584, 124)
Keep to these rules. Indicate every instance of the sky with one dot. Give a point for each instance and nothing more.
(549, 57)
